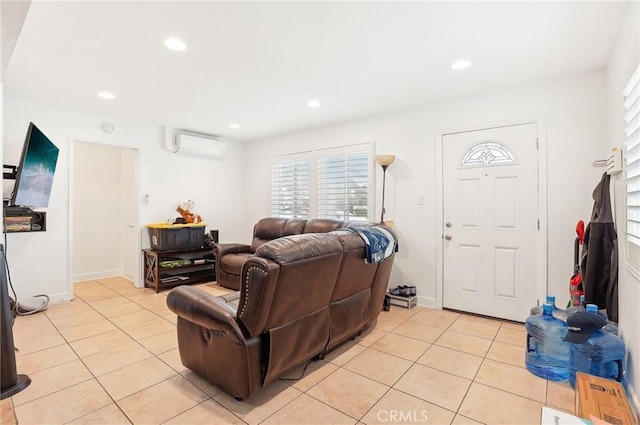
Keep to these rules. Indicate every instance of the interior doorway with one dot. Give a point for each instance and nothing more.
(104, 209)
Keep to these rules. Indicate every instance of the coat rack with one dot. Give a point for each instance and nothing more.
(613, 162)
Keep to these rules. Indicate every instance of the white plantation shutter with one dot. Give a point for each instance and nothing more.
(343, 186)
(631, 105)
(328, 183)
(290, 188)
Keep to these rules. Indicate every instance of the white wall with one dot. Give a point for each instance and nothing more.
(624, 57)
(574, 111)
(97, 249)
(215, 185)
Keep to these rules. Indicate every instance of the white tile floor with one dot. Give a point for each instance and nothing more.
(110, 357)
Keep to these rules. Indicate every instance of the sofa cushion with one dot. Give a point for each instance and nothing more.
(299, 247)
(232, 263)
(229, 297)
(355, 274)
(271, 228)
(321, 225)
(291, 278)
(294, 226)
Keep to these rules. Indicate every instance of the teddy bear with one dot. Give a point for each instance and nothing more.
(186, 212)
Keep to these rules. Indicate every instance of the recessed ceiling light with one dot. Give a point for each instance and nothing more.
(106, 95)
(175, 44)
(234, 125)
(461, 64)
(313, 104)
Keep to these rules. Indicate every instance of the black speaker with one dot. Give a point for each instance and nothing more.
(12, 383)
(214, 235)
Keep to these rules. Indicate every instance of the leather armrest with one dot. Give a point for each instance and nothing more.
(204, 309)
(232, 248)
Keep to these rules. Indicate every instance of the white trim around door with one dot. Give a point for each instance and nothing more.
(542, 247)
(138, 282)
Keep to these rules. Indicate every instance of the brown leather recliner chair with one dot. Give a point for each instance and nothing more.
(301, 295)
(230, 257)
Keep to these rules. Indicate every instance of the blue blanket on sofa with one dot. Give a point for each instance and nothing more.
(380, 243)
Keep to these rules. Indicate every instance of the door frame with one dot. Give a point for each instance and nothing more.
(542, 240)
(138, 283)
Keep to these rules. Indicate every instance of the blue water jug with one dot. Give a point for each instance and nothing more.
(600, 355)
(547, 354)
(575, 308)
(610, 326)
(558, 313)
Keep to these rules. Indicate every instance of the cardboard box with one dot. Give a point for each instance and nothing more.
(602, 398)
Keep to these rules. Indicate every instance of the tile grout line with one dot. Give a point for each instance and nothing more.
(177, 373)
(386, 333)
(415, 362)
(209, 397)
(389, 387)
(86, 367)
(91, 372)
(88, 303)
(94, 377)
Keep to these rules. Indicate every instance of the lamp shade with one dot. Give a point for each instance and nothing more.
(385, 160)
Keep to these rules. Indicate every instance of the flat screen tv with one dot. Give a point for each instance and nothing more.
(35, 171)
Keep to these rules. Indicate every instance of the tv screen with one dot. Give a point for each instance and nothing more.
(35, 170)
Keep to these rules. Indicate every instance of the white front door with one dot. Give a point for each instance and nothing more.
(490, 221)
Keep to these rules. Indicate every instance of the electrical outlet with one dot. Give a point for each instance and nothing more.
(145, 199)
(421, 200)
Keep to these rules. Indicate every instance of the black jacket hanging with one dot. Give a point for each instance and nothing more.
(600, 254)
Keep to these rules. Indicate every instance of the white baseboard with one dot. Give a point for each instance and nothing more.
(97, 275)
(635, 402)
(58, 298)
(426, 302)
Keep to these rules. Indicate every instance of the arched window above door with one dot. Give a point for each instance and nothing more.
(487, 153)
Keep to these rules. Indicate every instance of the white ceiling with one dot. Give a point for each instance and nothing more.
(259, 63)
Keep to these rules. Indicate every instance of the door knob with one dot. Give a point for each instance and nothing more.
(447, 237)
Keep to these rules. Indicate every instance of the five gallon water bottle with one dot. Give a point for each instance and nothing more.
(600, 355)
(547, 354)
(575, 308)
(558, 313)
(592, 308)
(610, 326)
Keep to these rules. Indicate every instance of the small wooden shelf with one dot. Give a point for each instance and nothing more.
(24, 221)
(165, 277)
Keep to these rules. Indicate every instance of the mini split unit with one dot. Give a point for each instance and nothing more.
(195, 144)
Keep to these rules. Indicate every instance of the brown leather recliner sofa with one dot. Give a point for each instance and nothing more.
(302, 295)
(231, 257)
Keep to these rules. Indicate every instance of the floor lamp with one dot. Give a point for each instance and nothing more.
(384, 161)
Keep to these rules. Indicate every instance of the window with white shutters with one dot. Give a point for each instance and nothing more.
(343, 186)
(331, 183)
(290, 188)
(631, 104)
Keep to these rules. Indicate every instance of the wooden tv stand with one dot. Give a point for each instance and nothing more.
(201, 269)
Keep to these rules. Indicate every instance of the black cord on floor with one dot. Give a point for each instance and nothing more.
(303, 372)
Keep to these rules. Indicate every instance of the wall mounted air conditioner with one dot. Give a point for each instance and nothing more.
(195, 144)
